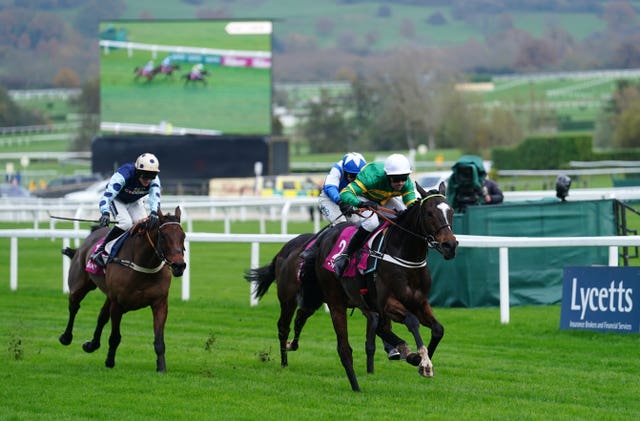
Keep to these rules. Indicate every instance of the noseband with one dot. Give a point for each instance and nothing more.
(430, 238)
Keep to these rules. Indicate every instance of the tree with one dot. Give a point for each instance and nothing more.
(88, 105)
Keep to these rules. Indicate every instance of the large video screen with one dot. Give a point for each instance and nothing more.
(186, 77)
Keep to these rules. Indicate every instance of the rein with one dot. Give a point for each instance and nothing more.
(163, 260)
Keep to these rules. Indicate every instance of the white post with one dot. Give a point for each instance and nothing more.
(613, 255)
(66, 264)
(255, 261)
(284, 214)
(13, 271)
(186, 276)
(504, 285)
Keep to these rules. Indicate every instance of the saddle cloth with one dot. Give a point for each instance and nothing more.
(363, 263)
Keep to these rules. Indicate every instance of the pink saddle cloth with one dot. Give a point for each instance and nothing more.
(355, 265)
(91, 266)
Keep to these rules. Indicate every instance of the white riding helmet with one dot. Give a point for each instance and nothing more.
(147, 162)
(397, 164)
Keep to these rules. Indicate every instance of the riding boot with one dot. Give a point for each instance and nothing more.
(98, 257)
(357, 241)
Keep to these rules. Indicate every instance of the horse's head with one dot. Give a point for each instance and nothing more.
(436, 218)
(171, 241)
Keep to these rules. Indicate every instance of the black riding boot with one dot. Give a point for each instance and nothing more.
(357, 241)
(98, 257)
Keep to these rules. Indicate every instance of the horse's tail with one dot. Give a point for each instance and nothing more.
(263, 278)
(69, 252)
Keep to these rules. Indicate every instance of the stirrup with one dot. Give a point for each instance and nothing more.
(100, 259)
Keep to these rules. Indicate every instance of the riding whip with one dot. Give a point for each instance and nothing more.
(64, 218)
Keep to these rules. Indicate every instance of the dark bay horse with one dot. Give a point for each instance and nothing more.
(401, 282)
(140, 72)
(195, 78)
(139, 276)
(284, 269)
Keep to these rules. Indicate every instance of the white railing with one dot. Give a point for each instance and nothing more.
(501, 243)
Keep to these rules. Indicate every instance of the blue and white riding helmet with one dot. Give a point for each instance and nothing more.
(353, 162)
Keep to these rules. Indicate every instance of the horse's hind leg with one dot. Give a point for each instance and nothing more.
(103, 318)
(159, 320)
(370, 338)
(302, 315)
(74, 305)
(284, 322)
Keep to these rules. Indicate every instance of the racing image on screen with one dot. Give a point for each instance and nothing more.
(186, 77)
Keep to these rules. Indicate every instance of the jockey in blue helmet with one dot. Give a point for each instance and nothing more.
(341, 173)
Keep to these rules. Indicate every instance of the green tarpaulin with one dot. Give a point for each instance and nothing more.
(535, 274)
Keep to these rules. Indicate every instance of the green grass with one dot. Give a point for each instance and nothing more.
(223, 359)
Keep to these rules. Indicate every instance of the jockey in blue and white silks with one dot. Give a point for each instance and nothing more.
(123, 198)
(341, 173)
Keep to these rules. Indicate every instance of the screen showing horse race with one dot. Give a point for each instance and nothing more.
(186, 77)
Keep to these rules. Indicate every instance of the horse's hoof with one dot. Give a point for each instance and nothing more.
(414, 359)
(425, 371)
(109, 364)
(65, 339)
(89, 347)
(292, 346)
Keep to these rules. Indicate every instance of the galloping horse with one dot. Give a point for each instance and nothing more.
(401, 283)
(193, 77)
(139, 276)
(286, 270)
(168, 69)
(148, 75)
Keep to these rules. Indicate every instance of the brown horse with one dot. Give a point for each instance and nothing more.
(139, 276)
(401, 283)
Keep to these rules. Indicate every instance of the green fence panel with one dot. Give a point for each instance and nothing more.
(535, 274)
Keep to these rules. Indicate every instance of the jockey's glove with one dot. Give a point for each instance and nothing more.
(104, 219)
(345, 208)
(368, 204)
(153, 219)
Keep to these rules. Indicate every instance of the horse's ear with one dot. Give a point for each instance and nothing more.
(422, 192)
(160, 213)
(442, 188)
(178, 213)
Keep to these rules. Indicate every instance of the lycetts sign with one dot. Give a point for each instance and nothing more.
(601, 298)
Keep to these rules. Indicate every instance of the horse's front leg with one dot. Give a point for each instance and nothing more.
(103, 318)
(114, 338)
(160, 311)
(339, 320)
(421, 359)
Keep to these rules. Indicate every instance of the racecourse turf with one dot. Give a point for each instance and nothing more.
(223, 359)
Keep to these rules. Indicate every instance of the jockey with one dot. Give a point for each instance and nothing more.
(123, 198)
(166, 63)
(387, 184)
(196, 71)
(148, 68)
(341, 173)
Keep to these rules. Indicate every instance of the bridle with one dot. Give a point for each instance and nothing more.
(158, 249)
(430, 239)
